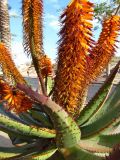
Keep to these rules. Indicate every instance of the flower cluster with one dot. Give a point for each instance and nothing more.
(105, 48)
(16, 100)
(46, 66)
(74, 45)
(8, 65)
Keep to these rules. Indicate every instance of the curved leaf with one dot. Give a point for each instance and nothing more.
(26, 130)
(102, 123)
(41, 117)
(109, 140)
(10, 153)
(109, 104)
(79, 154)
(94, 146)
(68, 133)
(45, 154)
(99, 99)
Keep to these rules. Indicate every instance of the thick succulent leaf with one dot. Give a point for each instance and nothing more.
(99, 99)
(111, 101)
(57, 156)
(7, 155)
(9, 114)
(109, 140)
(93, 146)
(107, 119)
(45, 154)
(41, 117)
(79, 154)
(24, 129)
(28, 119)
(10, 153)
(68, 133)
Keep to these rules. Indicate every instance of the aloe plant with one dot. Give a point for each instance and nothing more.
(53, 125)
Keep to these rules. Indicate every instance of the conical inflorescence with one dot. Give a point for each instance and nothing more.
(8, 65)
(74, 45)
(105, 48)
(32, 11)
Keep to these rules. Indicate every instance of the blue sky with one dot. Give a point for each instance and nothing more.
(52, 10)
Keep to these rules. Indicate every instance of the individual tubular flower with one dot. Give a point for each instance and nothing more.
(105, 48)
(8, 65)
(17, 101)
(74, 44)
(46, 66)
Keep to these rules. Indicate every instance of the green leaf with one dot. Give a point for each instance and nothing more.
(79, 154)
(68, 132)
(7, 113)
(109, 140)
(28, 119)
(12, 152)
(41, 117)
(24, 129)
(99, 99)
(93, 146)
(107, 118)
(45, 154)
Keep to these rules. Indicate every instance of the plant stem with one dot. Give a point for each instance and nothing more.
(43, 87)
(117, 10)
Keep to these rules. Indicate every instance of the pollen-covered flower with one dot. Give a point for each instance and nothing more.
(16, 99)
(74, 44)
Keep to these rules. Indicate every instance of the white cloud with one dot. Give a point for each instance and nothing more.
(55, 24)
(52, 21)
(50, 16)
(14, 13)
(18, 53)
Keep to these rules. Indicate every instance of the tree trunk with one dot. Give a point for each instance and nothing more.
(5, 35)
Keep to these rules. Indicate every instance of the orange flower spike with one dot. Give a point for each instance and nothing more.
(105, 48)
(32, 23)
(9, 65)
(75, 39)
(38, 32)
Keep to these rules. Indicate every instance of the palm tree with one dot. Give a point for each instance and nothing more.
(5, 35)
(54, 125)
